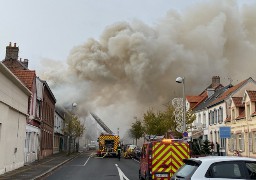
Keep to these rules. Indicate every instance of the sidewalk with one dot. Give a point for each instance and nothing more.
(38, 169)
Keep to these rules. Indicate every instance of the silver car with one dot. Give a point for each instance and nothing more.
(216, 167)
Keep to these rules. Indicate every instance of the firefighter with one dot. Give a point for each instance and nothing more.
(119, 152)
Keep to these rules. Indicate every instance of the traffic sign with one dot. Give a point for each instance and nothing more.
(185, 134)
(225, 132)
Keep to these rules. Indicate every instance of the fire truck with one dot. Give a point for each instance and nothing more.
(108, 144)
(160, 159)
(108, 141)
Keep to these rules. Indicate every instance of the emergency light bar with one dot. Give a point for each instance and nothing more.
(172, 140)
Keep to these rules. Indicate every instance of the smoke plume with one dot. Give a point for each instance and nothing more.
(133, 66)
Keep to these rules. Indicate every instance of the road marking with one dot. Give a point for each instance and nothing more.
(121, 174)
(136, 160)
(87, 160)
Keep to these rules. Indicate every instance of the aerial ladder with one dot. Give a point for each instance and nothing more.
(108, 142)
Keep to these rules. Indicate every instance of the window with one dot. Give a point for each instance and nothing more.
(254, 142)
(251, 168)
(232, 143)
(212, 117)
(215, 116)
(209, 118)
(240, 142)
(204, 120)
(220, 115)
(199, 118)
(226, 170)
(250, 141)
(223, 143)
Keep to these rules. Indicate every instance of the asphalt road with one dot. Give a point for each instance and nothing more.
(89, 167)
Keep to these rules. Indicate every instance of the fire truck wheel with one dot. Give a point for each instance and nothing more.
(147, 177)
(140, 177)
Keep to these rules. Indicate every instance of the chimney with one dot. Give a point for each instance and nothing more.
(215, 81)
(25, 63)
(12, 52)
(210, 92)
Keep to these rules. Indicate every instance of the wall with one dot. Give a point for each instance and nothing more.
(13, 108)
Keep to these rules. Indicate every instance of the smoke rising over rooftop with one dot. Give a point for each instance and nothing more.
(133, 66)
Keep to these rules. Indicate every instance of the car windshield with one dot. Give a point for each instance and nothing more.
(132, 146)
(186, 170)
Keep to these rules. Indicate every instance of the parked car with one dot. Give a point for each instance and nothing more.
(92, 147)
(217, 167)
(129, 151)
(137, 153)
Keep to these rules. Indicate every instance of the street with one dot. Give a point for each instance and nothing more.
(89, 167)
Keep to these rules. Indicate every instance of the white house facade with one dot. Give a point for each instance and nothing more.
(13, 107)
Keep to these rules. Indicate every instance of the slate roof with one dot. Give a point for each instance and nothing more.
(26, 76)
(212, 98)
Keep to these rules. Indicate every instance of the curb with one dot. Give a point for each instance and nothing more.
(53, 168)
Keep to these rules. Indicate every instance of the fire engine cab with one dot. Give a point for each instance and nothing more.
(160, 159)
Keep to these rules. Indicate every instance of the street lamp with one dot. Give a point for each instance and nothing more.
(182, 80)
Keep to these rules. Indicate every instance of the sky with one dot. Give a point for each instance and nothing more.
(118, 58)
(50, 29)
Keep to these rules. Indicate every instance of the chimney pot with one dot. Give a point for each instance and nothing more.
(12, 52)
(215, 81)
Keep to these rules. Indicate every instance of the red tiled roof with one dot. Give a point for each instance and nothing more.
(228, 92)
(238, 101)
(193, 98)
(252, 95)
(25, 76)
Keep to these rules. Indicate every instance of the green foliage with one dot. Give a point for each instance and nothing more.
(206, 148)
(73, 126)
(190, 118)
(196, 148)
(137, 130)
(161, 122)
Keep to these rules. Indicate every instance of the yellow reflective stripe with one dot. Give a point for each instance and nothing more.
(161, 157)
(157, 150)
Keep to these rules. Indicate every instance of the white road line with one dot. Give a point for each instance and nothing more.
(136, 160)
(87, 160)
(121, 174)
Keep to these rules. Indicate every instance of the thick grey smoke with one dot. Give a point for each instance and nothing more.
(133, 66)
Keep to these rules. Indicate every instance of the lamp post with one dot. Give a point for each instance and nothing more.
(182, 80)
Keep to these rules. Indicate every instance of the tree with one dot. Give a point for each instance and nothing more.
(190, 118)
(161, 122)
(206, 147)
(73, 128)
(137, 130)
